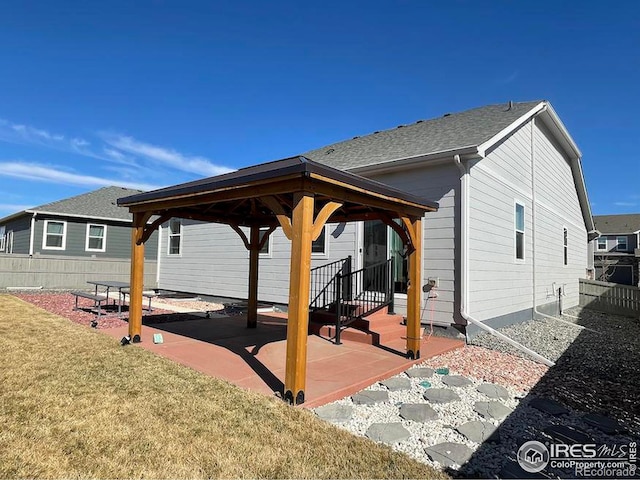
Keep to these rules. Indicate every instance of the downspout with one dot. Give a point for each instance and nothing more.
(464, 267)
(32, 233)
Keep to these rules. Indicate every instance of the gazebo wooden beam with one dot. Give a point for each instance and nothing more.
(137, 276)
(339, 193)
(298, 321)
(276, 207)
(254, 255)
(321, 219)
(242, 192)
(414, 228)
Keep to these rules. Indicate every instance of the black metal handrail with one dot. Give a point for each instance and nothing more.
(323, 283)
(350, 295)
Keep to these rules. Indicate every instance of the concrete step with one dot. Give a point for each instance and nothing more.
(372, 331)
(378, 320)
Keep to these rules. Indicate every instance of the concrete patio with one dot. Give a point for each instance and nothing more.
(254, 359)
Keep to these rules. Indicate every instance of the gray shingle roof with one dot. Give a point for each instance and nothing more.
(449, 132)
(99, 203)
(627, 223)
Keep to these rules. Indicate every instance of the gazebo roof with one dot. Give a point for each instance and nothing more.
(231, 197)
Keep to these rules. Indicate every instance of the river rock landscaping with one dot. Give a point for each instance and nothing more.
(490, 399)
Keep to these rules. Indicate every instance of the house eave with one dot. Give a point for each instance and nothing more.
(75, 215)
(468, 152)
(550, 118)
(13, 216)
(486, 145)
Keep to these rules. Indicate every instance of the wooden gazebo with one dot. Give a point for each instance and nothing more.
(299, 196)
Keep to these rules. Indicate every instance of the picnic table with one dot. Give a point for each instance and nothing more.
(109, 284)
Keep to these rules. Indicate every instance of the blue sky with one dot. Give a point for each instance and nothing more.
(150, 94)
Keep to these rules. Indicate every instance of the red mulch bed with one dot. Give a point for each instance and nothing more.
(63, 304)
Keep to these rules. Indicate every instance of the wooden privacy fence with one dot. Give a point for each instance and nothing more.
(58, 272)
(610, 297)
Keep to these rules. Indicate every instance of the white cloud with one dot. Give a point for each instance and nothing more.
(508, 79)
(31, 133)
(10, 208)
(143, 160)
(79, 142)
(625, 204)
(172, 158)
(49, 174)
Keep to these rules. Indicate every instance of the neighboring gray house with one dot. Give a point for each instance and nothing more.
(617, 249)
(511, 233)
(87, 225)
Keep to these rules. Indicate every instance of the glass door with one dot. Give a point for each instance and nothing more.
(379, 244)
(375, 250)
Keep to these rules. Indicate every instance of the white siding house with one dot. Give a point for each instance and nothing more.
(510, 235)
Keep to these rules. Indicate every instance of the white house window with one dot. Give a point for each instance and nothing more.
(265, 251)
(2, 238)
(319, 246)
(622, 244)
(96, 238)
(55, 235)
(9, 242)
(602, 244)
(519, 231)
(565, 234)
(175, 237)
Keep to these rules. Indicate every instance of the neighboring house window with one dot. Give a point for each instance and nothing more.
(319, 246)
(265, 251)
(9, 242)
(96, 238)
(175, 237)
(622, 244)
(565, 234)
(55, 235)
(602, 244)
(519, 231)
(2, 238)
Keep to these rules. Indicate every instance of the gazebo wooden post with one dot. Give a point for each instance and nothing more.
(298, 321)
(415, 287)
(254, 255)
(137, 277)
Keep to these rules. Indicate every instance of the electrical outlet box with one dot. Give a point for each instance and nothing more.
(434, 282)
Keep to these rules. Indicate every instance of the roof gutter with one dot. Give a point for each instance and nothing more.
(443, 156)
(465, 180)
(75, 215)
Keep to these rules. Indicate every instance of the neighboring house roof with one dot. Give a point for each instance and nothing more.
(99, 204)
(612, 224)
(469, 134)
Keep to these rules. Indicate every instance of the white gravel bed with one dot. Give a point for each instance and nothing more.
(548, 337)
(451, 415)
(193, 305)
(596, 372)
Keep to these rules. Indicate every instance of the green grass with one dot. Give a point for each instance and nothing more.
(74, 403)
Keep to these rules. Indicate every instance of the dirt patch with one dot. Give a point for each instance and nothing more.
(63, 304)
